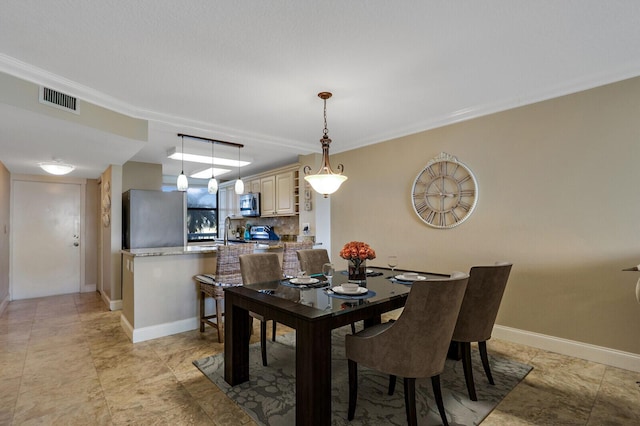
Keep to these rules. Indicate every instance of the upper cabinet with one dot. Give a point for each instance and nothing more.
(278, 194)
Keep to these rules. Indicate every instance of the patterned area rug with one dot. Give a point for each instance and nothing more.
(269, 396)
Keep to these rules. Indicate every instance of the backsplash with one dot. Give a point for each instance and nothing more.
(287, 227)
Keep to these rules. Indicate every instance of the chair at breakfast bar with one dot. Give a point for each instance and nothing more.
(290, 263)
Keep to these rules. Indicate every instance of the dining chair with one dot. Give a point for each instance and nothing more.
(478, 315)
(413, 346)
(311, 260)
(290, 263)
(210, 285)
(256, 268)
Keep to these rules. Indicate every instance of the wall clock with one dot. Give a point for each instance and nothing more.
(445, 192)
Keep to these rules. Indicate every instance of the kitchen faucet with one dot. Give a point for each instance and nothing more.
(227, 222)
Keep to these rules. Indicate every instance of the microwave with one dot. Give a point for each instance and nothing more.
(250, 204)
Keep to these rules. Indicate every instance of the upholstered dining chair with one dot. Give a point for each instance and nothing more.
(478, 315)
(227, 273)
(311, 260)
(413, 346)
(255, 268)
(290, 263)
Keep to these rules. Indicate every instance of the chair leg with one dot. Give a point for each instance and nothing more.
(263, 341)
(201, 300)
(410, 400)
(392, 384)
(273, 332)
(353, 328)
(437, 393)
(468, 371)
(353, 388)
(219, 323)
(482, 346)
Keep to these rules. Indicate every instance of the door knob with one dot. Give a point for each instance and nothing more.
(76, 244)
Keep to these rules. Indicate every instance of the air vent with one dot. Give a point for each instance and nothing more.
(59, 100)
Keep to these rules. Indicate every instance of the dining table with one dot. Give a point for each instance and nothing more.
(313, 310)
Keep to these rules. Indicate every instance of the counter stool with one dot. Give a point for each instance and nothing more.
(290, 263)
(227, 274)
(208, 287)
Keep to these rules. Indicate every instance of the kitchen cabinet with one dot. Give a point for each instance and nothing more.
(278, 195)
(228, 204)
(254, 186)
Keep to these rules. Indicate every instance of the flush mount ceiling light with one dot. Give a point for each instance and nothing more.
(182, 183)
(325, 181)
(56, 167)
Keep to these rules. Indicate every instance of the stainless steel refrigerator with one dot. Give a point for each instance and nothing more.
(153, 219)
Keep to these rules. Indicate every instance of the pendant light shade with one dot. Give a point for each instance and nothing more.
(239, 184)
(182, 183)
(212, 186)
(325, 181)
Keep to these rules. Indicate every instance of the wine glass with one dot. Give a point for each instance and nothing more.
(392, 261)
(327, 271)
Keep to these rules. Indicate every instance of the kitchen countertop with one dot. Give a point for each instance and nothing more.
(172, 251)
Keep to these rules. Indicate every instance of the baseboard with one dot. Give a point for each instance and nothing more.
(153, 332)
(599, 354)
(114, 305)
(3, 304)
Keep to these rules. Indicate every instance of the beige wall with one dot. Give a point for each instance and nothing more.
(5, 197)
(137, 175)
(557, 197)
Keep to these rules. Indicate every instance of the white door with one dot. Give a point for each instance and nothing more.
(46, 239)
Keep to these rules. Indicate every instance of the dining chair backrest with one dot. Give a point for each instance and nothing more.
(228, 262)
(416, 344)
(290, 263)
(481, 302)
(311, 260)
(260, 267)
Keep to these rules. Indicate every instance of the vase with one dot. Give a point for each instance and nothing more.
(357, 270)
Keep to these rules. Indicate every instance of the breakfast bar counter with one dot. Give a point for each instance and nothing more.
(159, 295)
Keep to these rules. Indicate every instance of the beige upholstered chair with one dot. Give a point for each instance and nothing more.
(290, 263)
(413, 346)
(478, 315)
(311, 260)
(227, 273)
(256, 268)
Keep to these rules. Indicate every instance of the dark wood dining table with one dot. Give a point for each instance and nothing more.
(313, 314)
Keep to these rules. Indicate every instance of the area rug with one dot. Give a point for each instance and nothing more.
(269, 396)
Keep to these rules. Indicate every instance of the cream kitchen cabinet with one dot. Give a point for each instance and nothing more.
(254, 186)
(277, 195)
(228, 204)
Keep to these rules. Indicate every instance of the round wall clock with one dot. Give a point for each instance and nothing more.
(445, 192)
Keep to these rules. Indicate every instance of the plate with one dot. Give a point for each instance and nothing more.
(338, 289)
(403, 278)
(297, 281)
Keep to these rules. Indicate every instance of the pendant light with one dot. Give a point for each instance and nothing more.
(239, 184)
(325, 181)
(213, 183)
(182, 183)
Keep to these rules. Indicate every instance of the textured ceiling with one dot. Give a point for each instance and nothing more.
(249, 71)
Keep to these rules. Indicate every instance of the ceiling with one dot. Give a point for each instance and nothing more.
(249, 71)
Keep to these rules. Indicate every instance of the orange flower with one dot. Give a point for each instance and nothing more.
(357, 250)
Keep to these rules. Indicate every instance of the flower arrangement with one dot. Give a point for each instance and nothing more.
(357, 252)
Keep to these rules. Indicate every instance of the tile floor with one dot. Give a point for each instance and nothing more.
(65, 360)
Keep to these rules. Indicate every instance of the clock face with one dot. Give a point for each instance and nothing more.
(445, 192)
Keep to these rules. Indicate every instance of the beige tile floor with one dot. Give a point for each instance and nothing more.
(65, 360)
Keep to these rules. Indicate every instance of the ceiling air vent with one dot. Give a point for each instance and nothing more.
(59, 100)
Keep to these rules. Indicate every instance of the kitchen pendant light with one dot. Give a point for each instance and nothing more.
(212, 187)
(325, 181)
(182, 183)
(239, 184)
